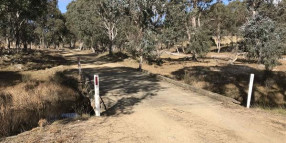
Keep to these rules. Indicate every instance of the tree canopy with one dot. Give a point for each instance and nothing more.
(144, 27)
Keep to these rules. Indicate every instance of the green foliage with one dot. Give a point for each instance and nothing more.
(263, 41)
(174, 30)
(26, 21)
(84, 22)
(143, 20)
(94, 22)
(19, 14)
(143, 47)
(140, 26)
(51, 26)
(200, 43)
(219, 16)
(237, 16)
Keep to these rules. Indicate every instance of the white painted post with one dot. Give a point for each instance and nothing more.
(250, 90)
(96, 95)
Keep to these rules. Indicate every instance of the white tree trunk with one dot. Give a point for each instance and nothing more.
(93, 49)
(141, 63)
(81, 46)
(253, 10)
(218, 44)
(194, 23)
(8, 43)
(183, 49)
(199, 20)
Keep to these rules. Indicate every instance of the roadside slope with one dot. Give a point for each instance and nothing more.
(162, 113)
(143, 109)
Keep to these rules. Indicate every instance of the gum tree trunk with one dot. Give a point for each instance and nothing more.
(140, 63)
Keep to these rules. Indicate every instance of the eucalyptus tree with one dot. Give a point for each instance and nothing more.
(281, 16)
(176, 23)
(80, 21)
(73, 22)
(144, 16)
(198, 34)
(19, 13)
(238, 15)
(200, 43)
(184, 23)
(90, 24)
(281, 21)
(2, 20)
(254, 5)
(110, 13)
(218, 18)
(196, 9)
(50, 27)
(5, 28)
(281, 13)
(93, 21)
(56, 32)
(263, 41)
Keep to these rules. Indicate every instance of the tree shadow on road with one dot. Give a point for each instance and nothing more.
(122, 88)
(125, 105)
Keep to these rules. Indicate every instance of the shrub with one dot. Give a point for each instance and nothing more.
(199, 43)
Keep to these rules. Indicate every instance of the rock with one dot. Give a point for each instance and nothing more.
(261, 66)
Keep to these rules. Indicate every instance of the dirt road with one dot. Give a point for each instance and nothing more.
(143, 109)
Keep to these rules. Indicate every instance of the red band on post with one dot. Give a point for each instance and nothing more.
(96, 81)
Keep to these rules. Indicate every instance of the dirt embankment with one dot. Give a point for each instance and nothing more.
(216, 74)
(143, 109)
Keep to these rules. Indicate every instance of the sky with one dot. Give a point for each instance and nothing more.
(63, 5)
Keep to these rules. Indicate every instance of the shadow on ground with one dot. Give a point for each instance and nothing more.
(9, 78)
(32, 60)
(122, 88)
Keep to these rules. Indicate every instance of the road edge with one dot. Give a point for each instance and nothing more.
(200, 91)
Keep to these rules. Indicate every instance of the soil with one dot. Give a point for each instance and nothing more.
(143, 109)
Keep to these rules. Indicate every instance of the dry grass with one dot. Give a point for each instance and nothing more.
(33, 86)
(36, 94)
(26, 103)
